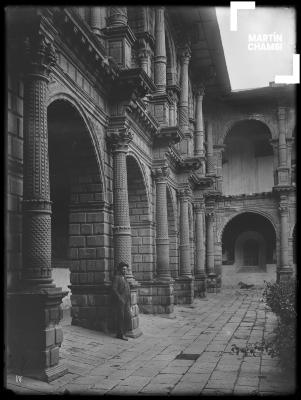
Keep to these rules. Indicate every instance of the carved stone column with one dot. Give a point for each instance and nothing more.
(97, 21)
(219, 166)
(118, 16)
(162, 241)
(282, 170)
(274, 144)
(160, 50)
(144, 54)
(285, 269)
(210, 158)
(199, 122)
(185, 264)
(183, 103)
(200, 274)
(211, 281)
(82, 12)
(120, 139)
(34, 336)
(184, 283)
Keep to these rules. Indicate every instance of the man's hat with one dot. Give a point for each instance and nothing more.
(121, 265)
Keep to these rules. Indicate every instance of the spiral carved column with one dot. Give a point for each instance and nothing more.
(97, 21)
(183, 103)
(118, 16)
(36, 196)
(120, 138)
(210, 158)
(282, 170)
(199, 122)
(200, 274)
(185, 282)
(211, 281)
(185, 265)
(285, 270)
(33, 328)
(160, 50)
(163, 271)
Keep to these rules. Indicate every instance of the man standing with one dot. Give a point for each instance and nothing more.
(122, 295)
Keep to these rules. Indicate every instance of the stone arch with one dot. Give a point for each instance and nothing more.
(172, 233)
(141, 167)
(269, 217)
(66, 97)
(259, 118)
(248, 237)
(140, 220)
(79, 237)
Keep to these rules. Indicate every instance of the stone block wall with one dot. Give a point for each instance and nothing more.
(89, 250)
(156, 298)
(184, 291)
(141, 226)
(14, 183)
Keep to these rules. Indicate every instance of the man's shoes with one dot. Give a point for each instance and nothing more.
(122, 337)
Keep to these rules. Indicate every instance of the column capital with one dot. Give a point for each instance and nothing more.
(120, 138)
(210, 214)
(118, 16)
(281, 111)
(199, 205)
(184, 193)
(160, 173)
(185, 53)
(199, 90)
(40, 56)
(143, 52)
(283, 204)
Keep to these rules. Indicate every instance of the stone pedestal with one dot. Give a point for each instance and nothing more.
(184, 290)
(34, 336)
(211, 283)
(134, 330)
(156, 297)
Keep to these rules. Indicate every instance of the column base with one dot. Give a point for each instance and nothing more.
(184, 290)
(200, 286)
(34, 336)
(157, 297)
(91, 307)
(134, 331)
(284, 274)
(211, 283)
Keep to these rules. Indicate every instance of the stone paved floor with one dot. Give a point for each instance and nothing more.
(102, 364)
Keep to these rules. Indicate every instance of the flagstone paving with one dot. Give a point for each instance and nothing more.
(102, 364)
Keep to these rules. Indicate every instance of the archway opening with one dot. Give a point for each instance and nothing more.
(75, 191)
(248, 250)
(247, 164)
(140, 220)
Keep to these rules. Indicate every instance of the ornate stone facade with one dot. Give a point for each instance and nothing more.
(123, 146)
